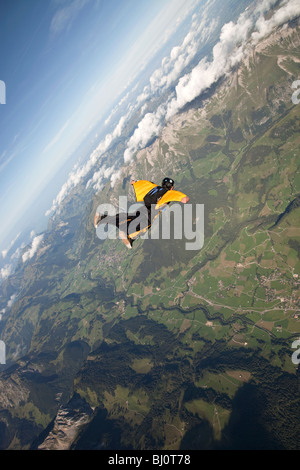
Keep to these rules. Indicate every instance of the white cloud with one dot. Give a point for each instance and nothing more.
(34, 247)
(289, 9)
(64, 17)
(114, 177)
(180, 56)
(230, 49)
(9, 305)
(17, 253)
(6, 271)
(100, 176)
(167, 74)
(116, 108)
(11, 300)
(225, 55)
(78, 173)
(148, 127)
(5, 251)
(145, 95)
(232, 46)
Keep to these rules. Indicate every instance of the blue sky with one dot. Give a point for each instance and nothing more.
(63, 63)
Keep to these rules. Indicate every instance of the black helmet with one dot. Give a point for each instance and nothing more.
(167, 183)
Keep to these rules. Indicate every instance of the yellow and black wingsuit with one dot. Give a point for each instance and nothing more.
(137, 224)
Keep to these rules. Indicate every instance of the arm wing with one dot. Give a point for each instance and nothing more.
(141, 188)
(171, 196)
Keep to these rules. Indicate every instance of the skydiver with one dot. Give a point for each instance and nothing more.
(131, 226)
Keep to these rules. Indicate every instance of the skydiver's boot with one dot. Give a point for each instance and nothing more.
(127, 242)
(97, 219)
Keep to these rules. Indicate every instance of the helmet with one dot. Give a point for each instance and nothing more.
(167, 183)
